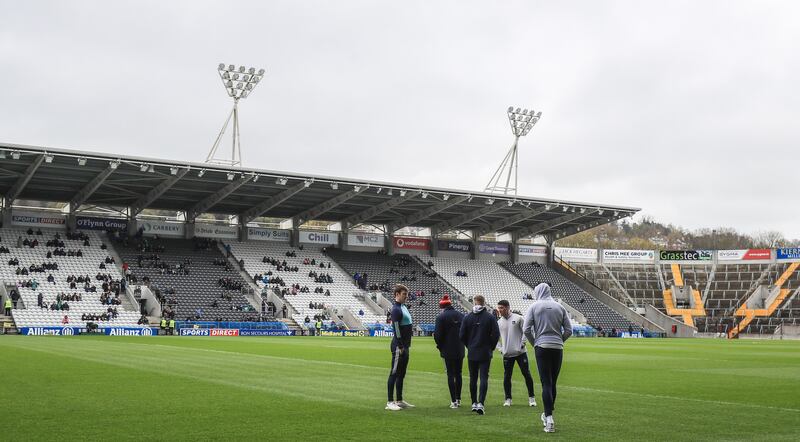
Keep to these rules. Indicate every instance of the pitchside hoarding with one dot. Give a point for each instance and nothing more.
(327, 238)
(260, 234)
(163, 228)
(788, 254)
(130, 331)
(454, 246)
(411, 243)
(744, 255)
(33, 219)
(91, 223)
(685, 255)
(365, 240)
(49, 331)
(494, 248)
(573, 254)
(216, 231)
(346, 333)
(629, 255)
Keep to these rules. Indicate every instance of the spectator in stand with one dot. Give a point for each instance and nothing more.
(284, 311)
(39, 299)
(65, 321)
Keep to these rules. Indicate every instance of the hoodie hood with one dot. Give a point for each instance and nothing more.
(542, 292)
(478, 308)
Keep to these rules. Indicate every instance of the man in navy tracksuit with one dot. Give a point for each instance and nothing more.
(446, 335)
(480, 333)
(401, 346)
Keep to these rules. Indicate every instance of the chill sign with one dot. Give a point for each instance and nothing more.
(328, 238)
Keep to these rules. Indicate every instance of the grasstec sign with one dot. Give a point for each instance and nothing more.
(685, 255)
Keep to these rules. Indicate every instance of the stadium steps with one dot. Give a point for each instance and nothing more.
(687, 314)
(749, 314)
(7, 325)
(255, 298)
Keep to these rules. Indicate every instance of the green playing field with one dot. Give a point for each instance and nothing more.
(283, 388)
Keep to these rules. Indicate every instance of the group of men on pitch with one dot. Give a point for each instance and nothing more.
(546, 324)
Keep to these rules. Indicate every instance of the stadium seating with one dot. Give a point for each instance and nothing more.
(484, 278)
(725, 288)
(640, 282)
(597, 314)
(200, 289)
(87, 264)
(385, 271)
(342, 290)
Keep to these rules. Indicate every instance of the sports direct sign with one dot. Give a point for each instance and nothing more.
(34, 219)
(744, 255)
(409, 243)
(209, 332)
(571, 254)
(629, 256)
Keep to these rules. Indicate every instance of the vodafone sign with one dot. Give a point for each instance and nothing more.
(405, 242)
(744, 255)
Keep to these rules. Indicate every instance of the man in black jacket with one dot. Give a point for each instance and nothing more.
(480, 334)
(446, 335)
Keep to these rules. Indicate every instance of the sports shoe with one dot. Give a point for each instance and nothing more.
(458, 402)
(392, 406)
(480, 410)
(532, 401)
(453, 404)
(550, 425)
(544, 420)
(507, 403)
(474, 406)
(404, 404)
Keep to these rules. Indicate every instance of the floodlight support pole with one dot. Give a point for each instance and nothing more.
(236, 149)
(510, 162)
(233, 113)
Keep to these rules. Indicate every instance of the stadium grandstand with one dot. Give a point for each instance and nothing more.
(750, 292)
(204, 242)
(212, 245)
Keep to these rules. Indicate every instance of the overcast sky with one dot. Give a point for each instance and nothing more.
(688, 110)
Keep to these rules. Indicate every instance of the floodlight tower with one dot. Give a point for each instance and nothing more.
(239, 83)
(522, 121)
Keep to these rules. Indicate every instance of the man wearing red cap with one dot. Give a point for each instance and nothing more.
(448, 324)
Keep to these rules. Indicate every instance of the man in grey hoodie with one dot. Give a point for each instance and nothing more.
(547, 325)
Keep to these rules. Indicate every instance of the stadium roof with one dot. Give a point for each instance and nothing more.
(78, 177)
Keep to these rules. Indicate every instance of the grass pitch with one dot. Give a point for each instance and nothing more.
(279, 388)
